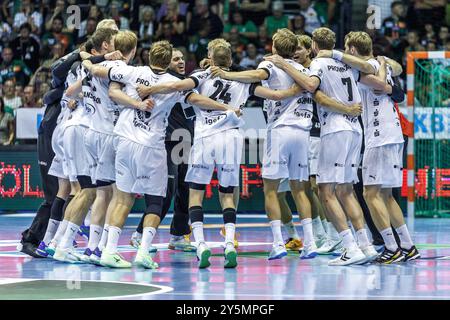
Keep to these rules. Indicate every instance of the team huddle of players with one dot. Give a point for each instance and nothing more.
(109, 146)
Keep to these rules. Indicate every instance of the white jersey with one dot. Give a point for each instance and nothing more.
(232, 93)
(380, 118)
(147, 128)
(296, 111)
(65, 110)
(79, 116)
(337, 81)
(100, 109)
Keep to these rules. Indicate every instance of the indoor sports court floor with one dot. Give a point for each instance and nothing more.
(22, 277)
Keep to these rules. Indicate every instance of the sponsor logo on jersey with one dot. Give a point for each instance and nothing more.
(117, 77)
(143, 81)
(90, 95)
(199, 166)
(337, 68)
(90, 109)
(211, 120)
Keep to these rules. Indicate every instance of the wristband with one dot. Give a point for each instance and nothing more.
(97, 59)
(337, 55)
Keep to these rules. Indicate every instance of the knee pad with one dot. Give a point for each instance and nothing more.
(229, 189)
(100, 183)
(197, 186)
(85, 182)
(196, 214)
(229, 215)
(154, 205)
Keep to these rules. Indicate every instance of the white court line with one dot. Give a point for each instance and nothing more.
(139, 215)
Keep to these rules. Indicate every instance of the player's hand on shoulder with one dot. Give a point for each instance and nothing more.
(72, 104)
(325, 54)
(238, 112)
(205, 63)
(355, 109)
(85, 55)
(276, 60)
(87, 64)
(146, 105)
(143, 91)
(381, 59)
(217, 72)
(115, 55)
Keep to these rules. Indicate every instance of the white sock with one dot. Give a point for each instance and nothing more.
(307, 231)
(197, 230)
(405, 238)
(95, 234)
(363, 239)
(332, 232)
(230, 229)
(348, 239)
(291, 230)
(87, 220)
(147, 237)
(318, 230)
(69, 235)
(102, 244)
(325, 224)
(113, 239)
(60, 232)
(275, 225)
(389, 239)
(51, 230)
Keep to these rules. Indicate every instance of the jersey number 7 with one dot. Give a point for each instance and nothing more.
(348, 82)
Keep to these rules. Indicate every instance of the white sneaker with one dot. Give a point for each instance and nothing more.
(370, 253)
(309, 251)
(144, 259)
(278, 252)
(329, 246)
(203, 254)
(320, 241)
(352, 256)
(67, 255)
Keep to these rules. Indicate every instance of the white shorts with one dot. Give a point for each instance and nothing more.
(101, 155)
(339, 155)
(313, 155)
(140, 169)
(222, 151)
(383, 166)
(75, 152)
(286, 154)
(58, 168)
(284, 186)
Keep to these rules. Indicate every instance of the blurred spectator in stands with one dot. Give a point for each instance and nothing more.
(144, 57)
(256, 10)
(198, 44)
(395, 26)
(5, 31)
(56, 53)
(312, 21)
(297, 25)
(237, 48)
(117, 14)
(252, 58)
(443, 37)
(18, 91)
(7, 127)
(91, 25)
(172, 25)
(56, 35)
(6, 12)
(147, 27)
(28, 14)
(94, 13)
(59, 11)
(12, 102)
(203, 16)
(413, 41)
(385, 7)
(26, 48)
(429, 35)
(422, 12)
(264, 43)
(40, 92)
(15, 69)
(183, 7)
(29, 98)
(431, 45)
(247, 31)
(277, 20)
(326, 10)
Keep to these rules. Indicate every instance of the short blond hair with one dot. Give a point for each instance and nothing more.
(125, 42)
(221, 56)
(285, 42)
(304, 41)
(324, 38)
(361, 41)
(160, 54)
(218, 42)
(107, 24)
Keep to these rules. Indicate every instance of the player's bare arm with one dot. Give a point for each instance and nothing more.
(377, 82)
(209, 104)
(117, 95)
(96, 70)
(249, 76)
(74, 89)
(324, 100)
(277, 95)
(167, 87)
(353, 61)
(397, 68)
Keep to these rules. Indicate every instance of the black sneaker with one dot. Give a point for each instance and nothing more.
(411, 254)
(388, 256)
(30, 249)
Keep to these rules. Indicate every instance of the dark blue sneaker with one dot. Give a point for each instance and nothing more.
(95, 257)
(86, 255)
(42, 250)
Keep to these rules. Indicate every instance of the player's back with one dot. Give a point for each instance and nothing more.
(79, 116)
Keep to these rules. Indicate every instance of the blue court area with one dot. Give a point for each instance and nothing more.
(178, 277)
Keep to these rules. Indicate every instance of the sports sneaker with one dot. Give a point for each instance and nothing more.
(181, 244)
(51, 248)
(320, 241)
(338, 250)
(29, 249)
(84, 231)
(41, 250)
(411, 254)
(278, 252)
(329, 246)
(236, 243)
(67, 255)
(86, 257)
(203, 254)
(389, 257)
(135, 240)
(293, 244)
(370, 253)
(75, 244)
(230, 257)
(144, 259)
(348, 257)
(95, 257)
(309, 251)
(113, 260)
